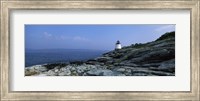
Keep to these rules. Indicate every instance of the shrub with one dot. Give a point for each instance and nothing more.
(166, 36)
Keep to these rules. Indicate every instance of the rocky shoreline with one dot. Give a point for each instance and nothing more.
(155, 58)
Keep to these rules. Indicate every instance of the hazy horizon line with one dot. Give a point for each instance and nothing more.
(63, 49)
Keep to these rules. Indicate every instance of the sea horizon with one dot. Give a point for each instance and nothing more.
(50, 56)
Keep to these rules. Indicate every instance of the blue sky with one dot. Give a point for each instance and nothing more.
(98, 37)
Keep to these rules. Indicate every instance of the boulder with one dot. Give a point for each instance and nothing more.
(121, 70)
(51, 73)
(63, 69)
(168, 64)
(39, 68)
(155, 56)
(103, 59)
(56, 70)
(29, 72)
(67, 72)
(73, 69)
(103, 72)
(99, 72)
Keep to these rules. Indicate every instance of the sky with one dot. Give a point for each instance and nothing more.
(97, 37)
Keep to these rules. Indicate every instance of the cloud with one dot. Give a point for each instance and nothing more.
(47, 35)
(63, 37)
(165, 28)
(78, 38)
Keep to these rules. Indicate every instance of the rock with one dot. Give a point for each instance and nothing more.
(56, 70)
(52, 66)
(103, 59)
(156, 58)
(121, 70)
(63, 69)
(119, 74)
(168, 64)
(68, 66)
(73, 69)
(80, 71)
(74, 73)
(110, 62)
(156, 55)
(51, 73)
(140, 74)
(77, 62)
(29, 72)
(106, 73)
(39, 68)
(91, 67)
(151, 65)
(82, 68)
(116, 64)
(103, 72)
(42, 69)
(57, 67)
(99, 72)
(165, 44)
(93, 72)
(127, 64)
(92, 62)
(128, 72)
(67, 72)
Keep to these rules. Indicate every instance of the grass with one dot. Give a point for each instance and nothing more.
(166, 36)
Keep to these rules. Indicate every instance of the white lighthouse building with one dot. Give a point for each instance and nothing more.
(118, 45)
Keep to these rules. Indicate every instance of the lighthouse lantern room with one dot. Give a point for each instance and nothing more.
(118, 45)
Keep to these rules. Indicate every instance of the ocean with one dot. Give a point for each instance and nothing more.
(45, 56)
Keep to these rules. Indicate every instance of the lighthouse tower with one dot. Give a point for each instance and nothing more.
(118, 45)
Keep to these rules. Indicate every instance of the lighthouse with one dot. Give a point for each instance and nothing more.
(118, 45)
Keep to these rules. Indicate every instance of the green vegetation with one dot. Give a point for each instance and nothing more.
(138, 45)
(51, 66)
(30, 72)
(166, 36)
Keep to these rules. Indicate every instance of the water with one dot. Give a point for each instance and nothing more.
(36, 57)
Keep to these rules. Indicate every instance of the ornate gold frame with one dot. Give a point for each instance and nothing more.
(8, 5)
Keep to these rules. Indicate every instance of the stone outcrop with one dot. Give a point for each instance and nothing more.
(155, 58)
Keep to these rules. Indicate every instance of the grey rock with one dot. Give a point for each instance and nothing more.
(127, 63)
(99, 72)
(119, 74)
(51, 73)
(140, 74)
(103, 72)
(67, 72)
(128, 72)
(56, 70)
(63, 69)
(106, 73)
(82, 68)
(121, 70)
(92, 67)
(73, 68)
(69, 66)
(168, 64)
(103, 59)
(30, 72)
(165, 44)
(156, 55)
(40, 68)
(151, 65)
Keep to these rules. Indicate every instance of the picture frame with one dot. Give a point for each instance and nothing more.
(7, 6)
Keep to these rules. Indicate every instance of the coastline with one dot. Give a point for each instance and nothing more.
(156, 58)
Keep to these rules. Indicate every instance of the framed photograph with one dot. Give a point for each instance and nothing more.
(100, 50)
